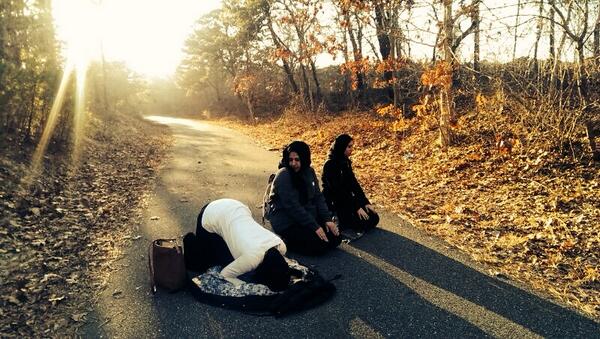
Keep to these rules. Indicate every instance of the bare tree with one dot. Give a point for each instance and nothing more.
(446, 91)
(516, 29)
(552, 46)
(300, 16)
(391, 38)
(382, 23)
(352, 16)
(574, 21)
(476, 30)
(538, 35)
(596, 42)
(281, 46)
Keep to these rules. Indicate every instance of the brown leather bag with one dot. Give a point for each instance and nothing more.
(166, 264)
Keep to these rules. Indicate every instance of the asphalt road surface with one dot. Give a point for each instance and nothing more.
(396, 281)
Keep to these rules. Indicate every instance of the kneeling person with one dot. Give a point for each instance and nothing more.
(227, 235)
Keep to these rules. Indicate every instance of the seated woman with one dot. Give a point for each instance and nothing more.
(342, 191)
(228, 236)
(298, 211)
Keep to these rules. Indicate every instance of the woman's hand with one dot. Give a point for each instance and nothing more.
(321, 234)
(331, 226)
(370, 208)
(362, 214)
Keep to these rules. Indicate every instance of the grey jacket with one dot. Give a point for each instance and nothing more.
(286, 209)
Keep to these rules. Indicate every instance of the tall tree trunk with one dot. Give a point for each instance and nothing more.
(303, 54)
(290, 75)
(394, 85)
(581, 70)
(306, 87)
(554, 79)
(446, 115)
(448, 32)
(31, 112)
(538, 35)
(382, 35)
(316, 80)
(215, 86)
(250, 108)
(596, 42)
(476, 40)
(286, 66)
(552, 31)
(516, 29)
(436, 44)
(396, 53)
(357, 53)
(385, 46)
(347, 75)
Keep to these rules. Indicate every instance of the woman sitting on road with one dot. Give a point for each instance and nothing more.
(298, 210)
(228, 236)
(342, 191)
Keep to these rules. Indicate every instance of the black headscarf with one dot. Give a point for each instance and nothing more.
(303, 151)
(273, 271)
(337, 149)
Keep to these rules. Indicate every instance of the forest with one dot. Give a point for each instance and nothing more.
(277, 45)
(257, 58)
(477, 120)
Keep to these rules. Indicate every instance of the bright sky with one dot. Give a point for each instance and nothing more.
(146, 34)
(149, 34)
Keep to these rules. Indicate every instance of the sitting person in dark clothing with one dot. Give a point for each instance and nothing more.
(298, 212)
(228, 236)
(342, 191)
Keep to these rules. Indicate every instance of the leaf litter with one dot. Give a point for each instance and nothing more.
(71, 223)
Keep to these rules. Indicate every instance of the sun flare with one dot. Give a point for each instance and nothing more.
(81, 47)
(147, 35)
(80, 26)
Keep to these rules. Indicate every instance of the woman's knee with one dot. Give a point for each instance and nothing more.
(313, 246)
(373, 219)
(334, 241)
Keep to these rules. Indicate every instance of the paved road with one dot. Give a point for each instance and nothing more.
(396, 281)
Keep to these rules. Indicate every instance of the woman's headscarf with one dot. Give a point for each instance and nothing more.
(337, 149)
(303, 151)
(273, 271)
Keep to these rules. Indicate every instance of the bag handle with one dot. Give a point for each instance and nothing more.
(151, 267)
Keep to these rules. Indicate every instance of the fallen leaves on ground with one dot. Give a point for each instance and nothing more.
(533, 216)
(60, 234)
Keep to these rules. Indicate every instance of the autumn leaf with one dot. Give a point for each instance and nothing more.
(78, 317)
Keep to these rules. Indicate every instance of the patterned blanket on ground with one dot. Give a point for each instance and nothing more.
(307, 291)
(214, 283)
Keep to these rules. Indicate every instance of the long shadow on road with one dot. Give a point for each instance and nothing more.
(368, 302)
(438, 297)
(434, 275)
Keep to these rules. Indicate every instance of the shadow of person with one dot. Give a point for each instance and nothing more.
(436, 276)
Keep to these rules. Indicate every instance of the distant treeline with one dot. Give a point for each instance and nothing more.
(259, 57)
(263, 54)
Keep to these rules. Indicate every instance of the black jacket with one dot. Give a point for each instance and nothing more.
(286, 208)
(340, 187)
